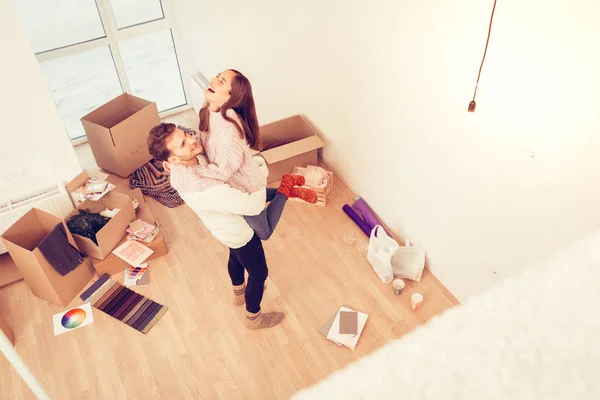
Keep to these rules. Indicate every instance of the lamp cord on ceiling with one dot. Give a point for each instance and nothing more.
(485, 51)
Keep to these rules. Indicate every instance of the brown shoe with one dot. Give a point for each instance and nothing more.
(262, 320)
(239, 293)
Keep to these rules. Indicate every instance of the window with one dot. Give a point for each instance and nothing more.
(90, 51)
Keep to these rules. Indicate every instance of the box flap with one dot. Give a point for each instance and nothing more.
(77, 181)
(116, 227)
(130, 135)
(27, 232)
(103, 114)
(289, 150)
(144, 213)
(280, 132)
(137, 102)
(101, 143)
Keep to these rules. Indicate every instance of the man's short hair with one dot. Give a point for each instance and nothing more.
(157, 141)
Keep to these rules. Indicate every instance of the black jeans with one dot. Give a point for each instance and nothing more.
(251, 258)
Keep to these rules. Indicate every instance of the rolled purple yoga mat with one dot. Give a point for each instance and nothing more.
(357, 219)
(367, 214)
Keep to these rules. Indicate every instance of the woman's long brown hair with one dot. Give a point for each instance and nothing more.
(242, 102)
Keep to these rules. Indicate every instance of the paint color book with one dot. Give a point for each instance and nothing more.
(144, 280)
(324, 329)
(348, 340)
(141, 229)
(133, 253)
(95, 187)
(348, 322)
(72, 319)
(129, 307)
(134, 274)
(136, 226)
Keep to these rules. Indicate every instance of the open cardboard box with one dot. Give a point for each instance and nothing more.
(288, 143)
(118, 132)
(111, 234)
(22, 240)
(112, 264)
(79, 181)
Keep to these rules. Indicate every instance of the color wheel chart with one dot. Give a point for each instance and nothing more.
(72, 319)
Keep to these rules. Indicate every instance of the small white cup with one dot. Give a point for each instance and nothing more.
(398, 285)
(416, 300)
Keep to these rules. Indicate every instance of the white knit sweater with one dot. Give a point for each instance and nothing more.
(219, 206)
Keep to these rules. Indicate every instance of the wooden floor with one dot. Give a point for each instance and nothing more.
(201, 349)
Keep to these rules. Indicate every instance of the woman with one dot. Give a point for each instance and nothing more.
(228, 130)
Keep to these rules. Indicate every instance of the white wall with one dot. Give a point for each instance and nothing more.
(35, 150)
(388, 84)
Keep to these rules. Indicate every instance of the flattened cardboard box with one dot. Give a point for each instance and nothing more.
(118, 132)
(112, 264)
(111, 234)
(288, 143)
(22, 240)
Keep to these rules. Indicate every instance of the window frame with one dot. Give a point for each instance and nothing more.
(113, 35)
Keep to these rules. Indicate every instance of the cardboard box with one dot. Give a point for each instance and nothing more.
(288, 143)
(112, 264)
(118, 131)
(22, 240)
(111, 234)
(80, 180)
(9, 273)
(8, 332)
(322, 192)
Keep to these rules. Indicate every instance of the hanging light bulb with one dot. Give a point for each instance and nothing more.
(472, 105)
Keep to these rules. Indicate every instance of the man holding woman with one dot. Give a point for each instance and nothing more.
(217, 177)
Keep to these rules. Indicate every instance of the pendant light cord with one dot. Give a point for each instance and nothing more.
(485, 51)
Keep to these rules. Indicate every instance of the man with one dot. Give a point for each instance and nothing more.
(221, 209)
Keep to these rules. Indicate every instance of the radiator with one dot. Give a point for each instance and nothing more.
(54, 200)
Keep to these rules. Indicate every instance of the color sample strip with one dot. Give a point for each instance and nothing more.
(129, 307)
(150, 311)
(106, 296)
(95, 286)
(156, 318)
